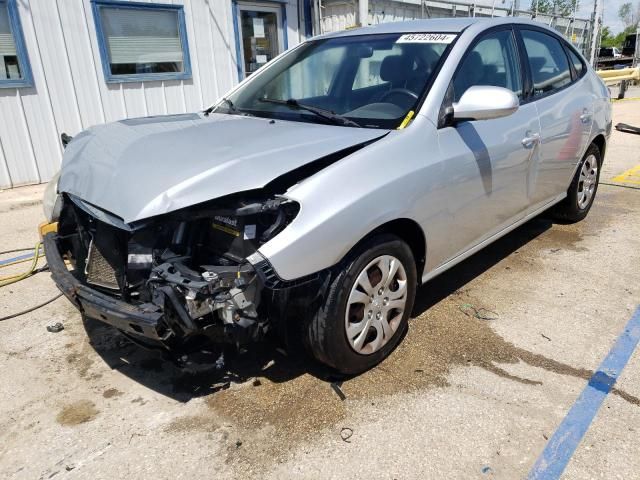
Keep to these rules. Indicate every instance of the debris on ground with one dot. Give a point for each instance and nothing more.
(545, 337)
(336, 386)
(479, 313)
(55, 327)
(238, 443)
(623, 127)
(256, 382)
(345, 434)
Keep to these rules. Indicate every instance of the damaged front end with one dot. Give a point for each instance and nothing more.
(178, 280)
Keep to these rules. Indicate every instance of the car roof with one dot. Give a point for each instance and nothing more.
(436, 25)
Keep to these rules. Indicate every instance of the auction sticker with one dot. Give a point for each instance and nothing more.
(427, 38)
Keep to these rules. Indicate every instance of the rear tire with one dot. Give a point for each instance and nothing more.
(367, 306)
(583, 189)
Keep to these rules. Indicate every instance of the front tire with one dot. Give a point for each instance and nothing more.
(367, 307)
(583, 188)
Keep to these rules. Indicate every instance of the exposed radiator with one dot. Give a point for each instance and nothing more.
(99, 271)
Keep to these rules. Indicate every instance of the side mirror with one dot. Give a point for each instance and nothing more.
(485, 103)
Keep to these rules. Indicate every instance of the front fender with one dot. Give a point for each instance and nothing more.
(346, 201)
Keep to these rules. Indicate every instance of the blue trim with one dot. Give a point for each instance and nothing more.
(96, 5)
(567, 437)
(285, 34)
(21, 49)
(235, 9)
(308, 21)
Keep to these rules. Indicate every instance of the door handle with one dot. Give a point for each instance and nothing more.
(529, 142)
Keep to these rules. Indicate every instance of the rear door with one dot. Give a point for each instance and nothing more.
(565, 105)
(487, 161)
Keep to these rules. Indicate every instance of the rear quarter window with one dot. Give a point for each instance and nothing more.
(578, 64)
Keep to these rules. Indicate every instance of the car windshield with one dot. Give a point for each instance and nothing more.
(369, 81)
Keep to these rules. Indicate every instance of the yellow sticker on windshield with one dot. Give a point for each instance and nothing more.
(406, 120)
(427, 38)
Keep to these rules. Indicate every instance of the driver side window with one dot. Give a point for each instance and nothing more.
(493, 61)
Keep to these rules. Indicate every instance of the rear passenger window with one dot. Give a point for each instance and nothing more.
(548, 61)
(578, 64)
(492, 62)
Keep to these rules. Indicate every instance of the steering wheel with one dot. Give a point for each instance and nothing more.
(402, 91)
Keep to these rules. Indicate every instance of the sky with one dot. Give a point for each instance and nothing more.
(585, 10)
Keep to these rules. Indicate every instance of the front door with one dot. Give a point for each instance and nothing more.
(486, 162)
(261, 34)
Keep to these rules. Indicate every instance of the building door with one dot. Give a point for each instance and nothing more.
(261, 34)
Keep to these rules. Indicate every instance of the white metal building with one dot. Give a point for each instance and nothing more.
(68, 64)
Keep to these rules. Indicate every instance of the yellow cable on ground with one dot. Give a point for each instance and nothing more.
(16, 278)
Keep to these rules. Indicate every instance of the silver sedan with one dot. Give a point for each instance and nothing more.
(313, 199)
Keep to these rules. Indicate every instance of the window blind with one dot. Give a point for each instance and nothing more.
(141, 35)
(7, 43)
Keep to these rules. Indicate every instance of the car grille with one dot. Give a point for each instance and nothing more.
(99, 271)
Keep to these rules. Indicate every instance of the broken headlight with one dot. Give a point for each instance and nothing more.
(239, 233)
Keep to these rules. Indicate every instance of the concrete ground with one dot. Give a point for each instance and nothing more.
(462, 397)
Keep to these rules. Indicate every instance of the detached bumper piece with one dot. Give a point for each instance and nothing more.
(145, 320)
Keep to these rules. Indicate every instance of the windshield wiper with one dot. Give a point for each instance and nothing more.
(232, 108)
(320, 112)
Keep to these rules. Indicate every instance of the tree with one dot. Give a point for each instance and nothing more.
(607, 39)
(611, 40)
(558, 7)
(630, 15)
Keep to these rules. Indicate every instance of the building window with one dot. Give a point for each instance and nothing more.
(14, 62)
(141, 41)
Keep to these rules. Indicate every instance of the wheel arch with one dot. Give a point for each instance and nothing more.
(409, 231)
(601, 142)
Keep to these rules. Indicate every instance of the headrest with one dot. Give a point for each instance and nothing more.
(537, 63)
(474, 62)
(396, 68)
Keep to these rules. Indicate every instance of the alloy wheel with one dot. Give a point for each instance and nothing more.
(376, 304)
(588, 181)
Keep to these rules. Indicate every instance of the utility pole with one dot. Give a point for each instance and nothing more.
(363, 12)
(596, 31)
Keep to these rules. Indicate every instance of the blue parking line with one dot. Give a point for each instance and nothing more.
(16, 259)
(567, 437)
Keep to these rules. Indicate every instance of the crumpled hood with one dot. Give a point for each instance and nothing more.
(140, 168)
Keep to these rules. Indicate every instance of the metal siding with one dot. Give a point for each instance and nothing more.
(16, 140)
(5, 178)
(81, 63)
(134, 99)
(154, 98)
(36, 111)
(70, 93)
